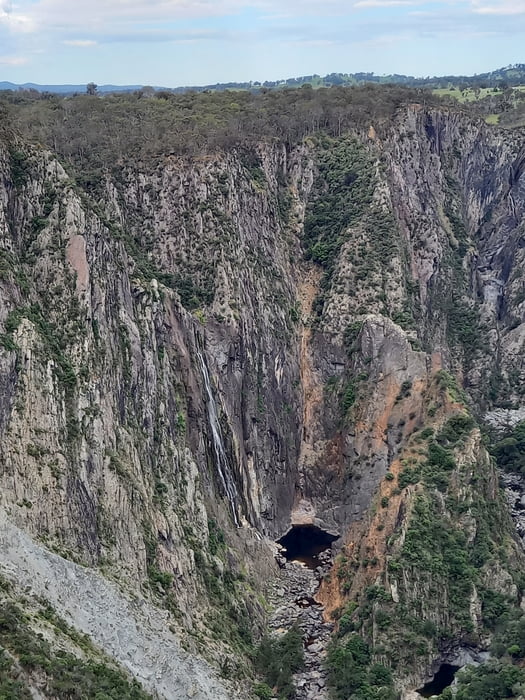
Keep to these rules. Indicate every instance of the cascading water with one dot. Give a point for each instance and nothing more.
(221, 460)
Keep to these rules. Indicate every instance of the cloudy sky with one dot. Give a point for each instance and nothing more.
(181, 42)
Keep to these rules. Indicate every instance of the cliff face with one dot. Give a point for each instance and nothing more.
(180, 383)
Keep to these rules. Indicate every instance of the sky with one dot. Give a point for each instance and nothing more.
(195, 42)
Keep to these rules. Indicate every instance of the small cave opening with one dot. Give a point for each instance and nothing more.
(443, 679)
(304, 543)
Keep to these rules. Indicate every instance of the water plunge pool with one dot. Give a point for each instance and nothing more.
(304, 543)
(443, 679)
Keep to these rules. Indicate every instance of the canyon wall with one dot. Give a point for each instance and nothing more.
(197, 354)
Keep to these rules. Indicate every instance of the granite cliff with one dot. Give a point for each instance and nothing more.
(199, 354)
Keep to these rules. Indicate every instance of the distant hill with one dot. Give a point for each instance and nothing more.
(509, 76)
(67, 89)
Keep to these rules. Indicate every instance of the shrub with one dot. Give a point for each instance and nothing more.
(351, 674)
(276, 660)
(410, 475)
(262, 691)
(351, 334)
(510, 451)
(404, 390)
(349, 396)
(489, 681)
(457, 427)
(438, 456)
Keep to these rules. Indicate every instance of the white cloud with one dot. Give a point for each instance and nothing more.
(82, 43)
(96, 13)
(385, 3)
(499, 7)
(119, 16)
(97, 22)
(14, 22)
(13, 61)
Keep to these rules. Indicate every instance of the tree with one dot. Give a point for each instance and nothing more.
(91, 88)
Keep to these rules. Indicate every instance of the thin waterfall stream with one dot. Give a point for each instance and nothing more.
(221, 460)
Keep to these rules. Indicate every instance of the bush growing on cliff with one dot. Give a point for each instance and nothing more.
(262, 691)
(490, 681)
(457, 427)
(276, 660)
(510, 451)
(349, 396)
(350, 335)
(352, 674)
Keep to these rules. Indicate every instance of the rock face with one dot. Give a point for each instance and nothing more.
(133, 633)
(177, 382)
(514, 487)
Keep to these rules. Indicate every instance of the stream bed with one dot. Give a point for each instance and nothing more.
(292, 596)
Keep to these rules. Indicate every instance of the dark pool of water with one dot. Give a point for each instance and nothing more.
(443, 679)
(304, 543)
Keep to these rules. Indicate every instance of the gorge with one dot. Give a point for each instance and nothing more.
(295, 339)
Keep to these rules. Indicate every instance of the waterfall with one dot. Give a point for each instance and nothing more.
(221, 460)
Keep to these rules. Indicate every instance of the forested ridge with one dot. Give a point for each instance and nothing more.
(92, 131)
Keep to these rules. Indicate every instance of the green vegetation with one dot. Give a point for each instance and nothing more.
(349, 396)
(11, 687)
(439, 550)
(404, 390)
(160, 581)
(216, 541)
(228, 618)
(192, 295)
(352, 673)
(456, 429)
(19, 167)
(262, 691)
(98, 131)
(351, 335)
(453, 536)
(343, 197)
(510, 451)
(343, 209)
(468, 94)
(344, 190)
(276, 660)
(464, 327)
(490, 681)
(504, 675)
(446, 382)
(54, 339)
(435, 470)
(226, 591)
